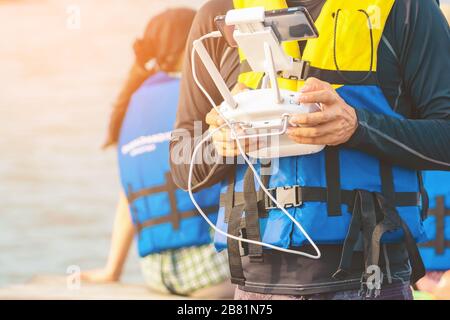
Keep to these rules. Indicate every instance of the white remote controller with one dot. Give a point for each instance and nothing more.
(262, 113)
(258, 115)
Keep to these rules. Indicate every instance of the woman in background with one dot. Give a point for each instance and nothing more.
(173, 240)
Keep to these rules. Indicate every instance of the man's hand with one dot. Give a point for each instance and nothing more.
(222, 139)
(223, 142)
(334, 125)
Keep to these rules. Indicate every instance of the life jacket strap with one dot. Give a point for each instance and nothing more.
(174, 217)
(228, 197)
(134, 195)
(424, 196)
(363, 219)
(373, 215)
(243, 221)
(392, 221)
(296, 196)
(440, 212)
(168, 219)
(343, 77)
(333, 175)
(304, 70)
(233, 246)
(133, 209)
(251, 217)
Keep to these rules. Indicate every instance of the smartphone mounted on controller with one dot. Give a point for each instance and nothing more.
(288, 24)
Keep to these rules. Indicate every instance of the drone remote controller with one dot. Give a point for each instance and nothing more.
(258, 116)
(265, 112)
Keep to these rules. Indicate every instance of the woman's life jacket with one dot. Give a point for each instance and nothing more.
(436, 251)
(339, 195)
(164, 215)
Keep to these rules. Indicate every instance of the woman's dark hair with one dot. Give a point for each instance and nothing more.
(164, 41)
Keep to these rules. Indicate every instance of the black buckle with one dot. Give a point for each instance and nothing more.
(256, 258)
(287, 197)
(237, 281)
(299, 70)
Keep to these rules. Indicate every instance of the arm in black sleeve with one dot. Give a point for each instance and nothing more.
(193, 106)
(420, 39)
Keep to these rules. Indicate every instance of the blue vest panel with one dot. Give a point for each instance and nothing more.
(436, 252)
(163, 214)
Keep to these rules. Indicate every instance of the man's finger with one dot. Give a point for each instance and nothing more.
(231, 148)
(316, 131)
(222, 135)
(328, 139)
(224, 149)
(312, 119)
(213, 118)
(239, 87)
(312, 84)
(326, 97)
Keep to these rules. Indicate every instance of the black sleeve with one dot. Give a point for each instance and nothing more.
(193, 106)
(420, 38)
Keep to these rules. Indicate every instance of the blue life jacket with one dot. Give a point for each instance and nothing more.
(339, 195)
(164, 215)
(436, 252)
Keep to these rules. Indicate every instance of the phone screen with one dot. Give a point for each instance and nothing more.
(226, 30)
(288, 24)
(291, 24)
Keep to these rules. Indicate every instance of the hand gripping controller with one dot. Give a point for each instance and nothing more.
(258, 117)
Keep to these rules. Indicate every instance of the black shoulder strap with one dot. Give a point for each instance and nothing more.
(387, 182)
(233, 217)
(233, 246)
(228, 202)
(424, 196)
(363, 219)
(265, 177)
(333, 175)
(440, 225)
(252, 217)
(391, 220)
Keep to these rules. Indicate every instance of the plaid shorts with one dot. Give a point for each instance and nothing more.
(183, 271)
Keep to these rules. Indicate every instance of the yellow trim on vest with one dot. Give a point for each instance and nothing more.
(250, 79)
(267, 4)
(296, 85)
(353, 49)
